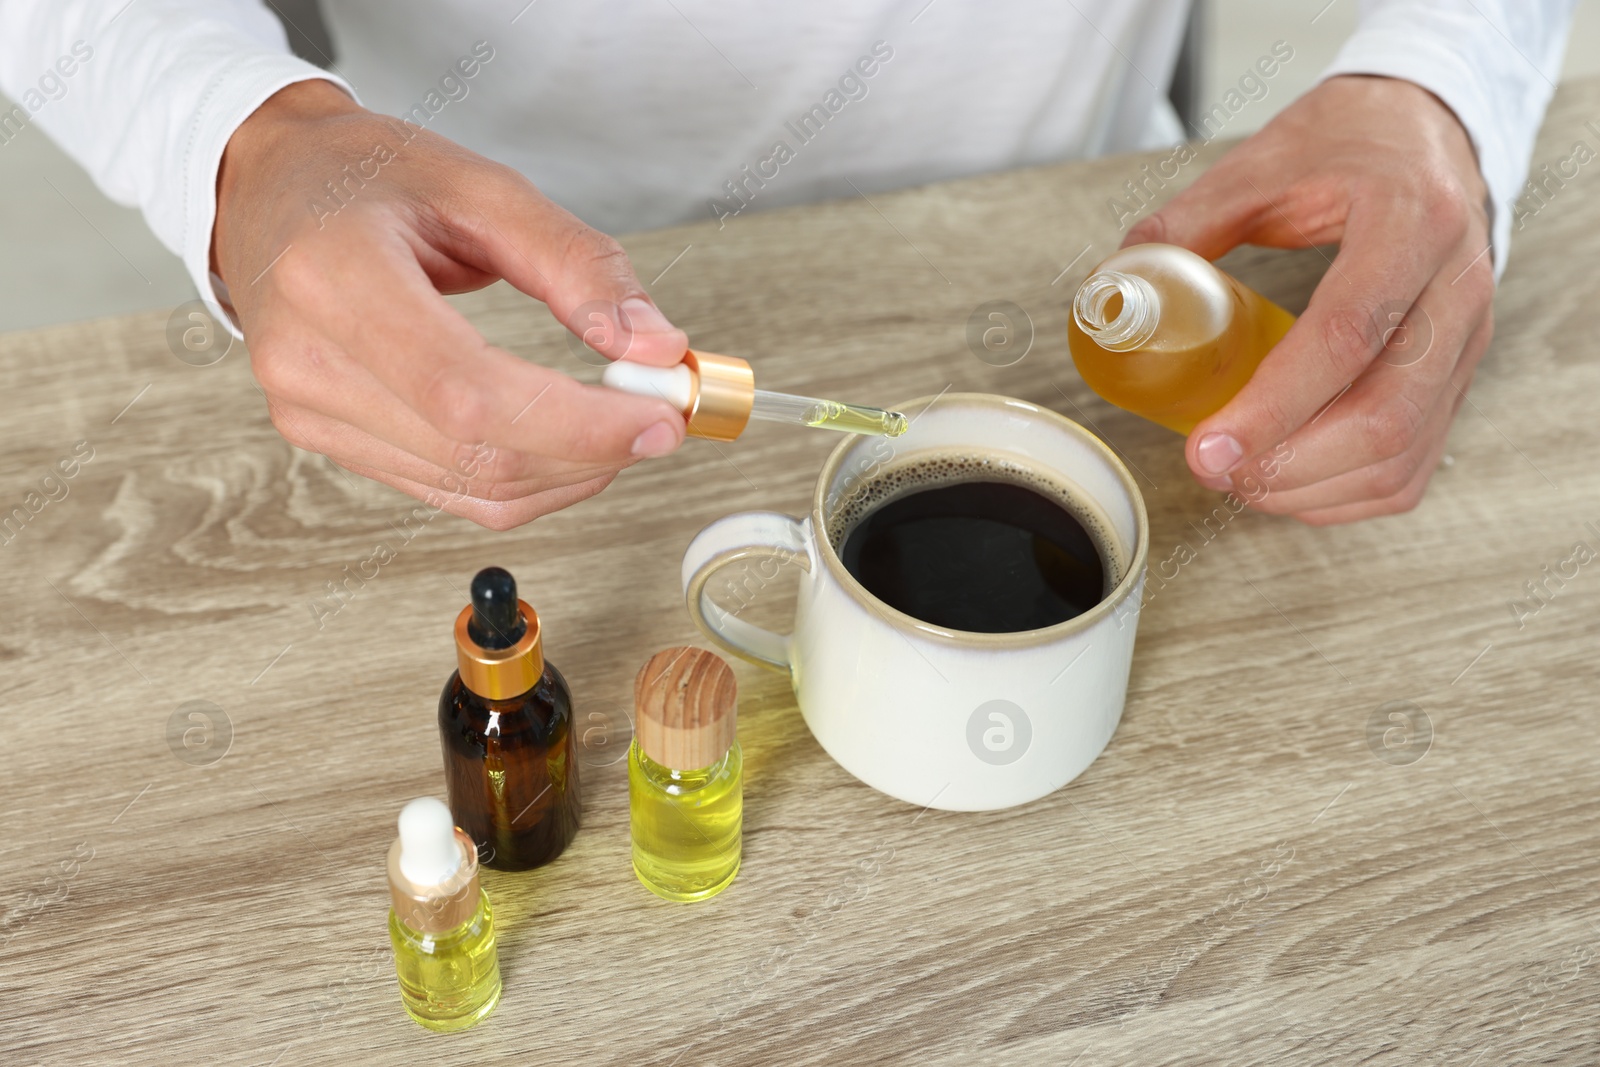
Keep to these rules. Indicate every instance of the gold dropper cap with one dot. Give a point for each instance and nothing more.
(433, 909)
(686, 706)
(500, 673)
(724, 393)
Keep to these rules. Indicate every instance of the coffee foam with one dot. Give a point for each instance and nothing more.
(931, 469)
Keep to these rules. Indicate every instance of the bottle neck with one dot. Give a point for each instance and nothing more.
(500, 673)
(675, 779)
(434, 909)
(1119, 312)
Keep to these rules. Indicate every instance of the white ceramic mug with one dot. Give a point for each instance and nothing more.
(940, 718)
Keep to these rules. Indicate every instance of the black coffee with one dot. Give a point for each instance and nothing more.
(980, 555)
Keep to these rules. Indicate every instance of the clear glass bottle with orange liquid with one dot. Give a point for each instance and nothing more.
(1160, 332)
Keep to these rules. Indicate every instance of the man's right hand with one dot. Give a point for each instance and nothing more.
(363, 360)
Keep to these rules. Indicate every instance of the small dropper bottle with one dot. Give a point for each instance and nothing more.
(718, 397)
(685, 775)
(1161, 332)
(441, 926)
(505, 722)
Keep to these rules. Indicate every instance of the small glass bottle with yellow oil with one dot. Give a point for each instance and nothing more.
(440, 925)
(685, 775)
(1161, 332)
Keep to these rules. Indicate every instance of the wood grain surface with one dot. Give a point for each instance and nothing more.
(1263, 867)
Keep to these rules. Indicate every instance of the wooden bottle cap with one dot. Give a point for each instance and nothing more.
(686, 700)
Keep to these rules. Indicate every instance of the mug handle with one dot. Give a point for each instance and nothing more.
(747, 535)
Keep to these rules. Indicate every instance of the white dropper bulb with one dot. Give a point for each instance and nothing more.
(675, 385)
(429, 851)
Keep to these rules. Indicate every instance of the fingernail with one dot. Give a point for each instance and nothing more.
(658, 440)
(1218, 453)
(645, 317)
(1221, 485)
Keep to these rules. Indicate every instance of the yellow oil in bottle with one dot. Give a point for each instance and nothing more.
(1161, 332)
(687, 825)
(450, 980)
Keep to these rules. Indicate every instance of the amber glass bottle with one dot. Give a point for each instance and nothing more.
(1159, 331)
(505, 721)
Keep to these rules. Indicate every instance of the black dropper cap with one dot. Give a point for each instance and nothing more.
(496, 622)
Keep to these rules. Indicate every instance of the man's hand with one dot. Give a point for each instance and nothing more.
(1401, 318)
(363, 360)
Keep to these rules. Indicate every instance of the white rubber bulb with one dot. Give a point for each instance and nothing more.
(675, 385)
(429, 852)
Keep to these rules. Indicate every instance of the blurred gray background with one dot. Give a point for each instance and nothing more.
(66, 252)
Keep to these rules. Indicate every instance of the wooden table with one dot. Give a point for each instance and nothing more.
(1247, 875)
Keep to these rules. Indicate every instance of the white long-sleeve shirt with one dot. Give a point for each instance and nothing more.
(637, 114)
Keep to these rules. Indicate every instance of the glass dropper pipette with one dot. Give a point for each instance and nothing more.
(718, 397)
(826, 414)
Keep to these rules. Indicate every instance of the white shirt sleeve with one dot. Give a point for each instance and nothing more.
(1493, 62)
(144, 94)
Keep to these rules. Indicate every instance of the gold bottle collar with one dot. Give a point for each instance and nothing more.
(500, 673)
(435, 909)
(725, 391)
